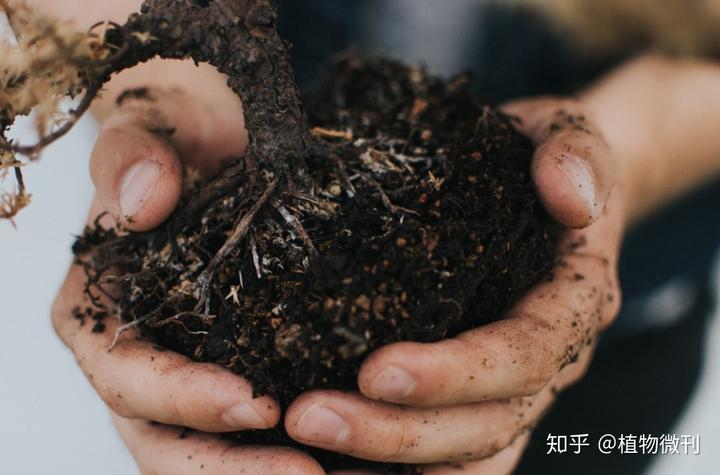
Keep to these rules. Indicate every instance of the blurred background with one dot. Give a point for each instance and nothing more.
(52, 422)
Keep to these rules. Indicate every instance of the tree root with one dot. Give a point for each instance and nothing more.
(241, 228)
(393, 208)
(298, 227)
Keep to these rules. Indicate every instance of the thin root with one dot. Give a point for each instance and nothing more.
(292, 220)
(33, 150)
(332, 134)
(394, 209)
(239, 232)
(123, 329)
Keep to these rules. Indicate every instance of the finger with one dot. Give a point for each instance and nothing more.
(136, 163)
(353, 425)
(505, 461)
(353, 472)
(161, 450)
(137, 380)
(502, 463)
(516, 356)
(572, 167)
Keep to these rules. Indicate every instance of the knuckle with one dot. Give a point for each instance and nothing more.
(396, 445)
(187, 407)
(121, 410)
(58, 317)
(574, 372)
(599, 298)
(112, 397)
(541, 356)
(94, 363)
(582, 369)
(614, 302)
(61, 313)
(545, 372)
(179, 410)
(610, 303)
(539, 375)
(484, 446)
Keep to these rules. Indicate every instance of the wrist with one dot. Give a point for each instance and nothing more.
(660, 117)
(628, 108)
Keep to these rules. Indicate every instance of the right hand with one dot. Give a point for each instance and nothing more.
(138, 174)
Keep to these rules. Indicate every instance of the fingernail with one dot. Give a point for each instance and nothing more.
(583, 180)
(243, 416)
(392, 383)
(322, 425)
(136, 186)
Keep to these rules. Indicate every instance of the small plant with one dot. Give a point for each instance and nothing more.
(405, 212)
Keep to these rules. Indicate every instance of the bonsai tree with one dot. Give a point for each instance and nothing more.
(389, 205)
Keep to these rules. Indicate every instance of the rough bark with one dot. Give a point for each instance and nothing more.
(239, 38)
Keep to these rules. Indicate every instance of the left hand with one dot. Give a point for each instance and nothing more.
(138, 178)
(475, 398)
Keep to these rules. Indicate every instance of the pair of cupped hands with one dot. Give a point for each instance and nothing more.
(462, 405)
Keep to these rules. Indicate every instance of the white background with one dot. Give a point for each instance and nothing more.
(51, 422)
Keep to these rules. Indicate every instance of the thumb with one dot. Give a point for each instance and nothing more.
(573, 168)
(138, 158)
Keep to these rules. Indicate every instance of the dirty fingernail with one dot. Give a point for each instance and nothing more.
(322, 425)
(243, 416)
(581, 176)
(137, 185)
(392, 383)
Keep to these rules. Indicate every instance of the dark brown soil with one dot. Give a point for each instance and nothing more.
(422, 222)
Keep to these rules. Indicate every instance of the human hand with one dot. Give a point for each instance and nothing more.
(169, 450)
(476, 397)
(137, 167)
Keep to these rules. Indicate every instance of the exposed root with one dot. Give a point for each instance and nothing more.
(241, 228)
(342, 172)
(177, 319)
(123, 329)
(255, 257)
(223, 185)
(235, 283)
(147, 320)
(331, 134)
(298, 227)
(394, 209)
